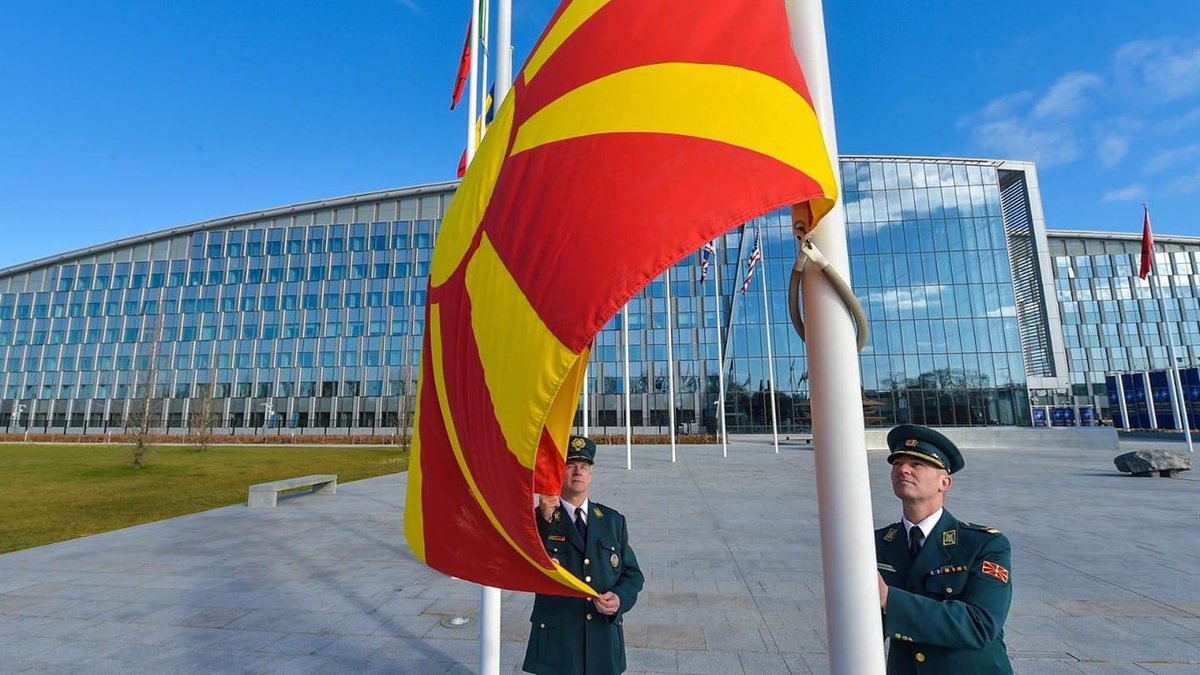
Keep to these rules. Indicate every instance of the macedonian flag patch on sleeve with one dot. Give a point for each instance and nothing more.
(995, 571)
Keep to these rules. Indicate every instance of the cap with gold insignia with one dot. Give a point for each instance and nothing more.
(581, 448)
(914, 440)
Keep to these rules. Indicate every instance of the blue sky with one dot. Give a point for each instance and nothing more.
(125, 117)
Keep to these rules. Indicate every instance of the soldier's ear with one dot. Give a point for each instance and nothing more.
(947, 481)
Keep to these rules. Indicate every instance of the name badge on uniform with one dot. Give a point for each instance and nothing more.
(614, 560)
(557, 537)
(885, 567)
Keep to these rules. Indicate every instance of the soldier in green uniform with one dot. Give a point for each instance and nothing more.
(572, 636)
(944, 584)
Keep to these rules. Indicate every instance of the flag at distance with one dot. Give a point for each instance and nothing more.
(464, 70)
(1147, 244)
(752, 263)
(706, 255)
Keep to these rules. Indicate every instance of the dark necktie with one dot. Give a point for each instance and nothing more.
(916, 538)
(580, 524)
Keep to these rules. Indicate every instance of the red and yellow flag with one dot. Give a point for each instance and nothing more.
(635, 133)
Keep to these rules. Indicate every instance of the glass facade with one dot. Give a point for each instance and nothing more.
(1112, 322)
(311, 318)
(930, 263)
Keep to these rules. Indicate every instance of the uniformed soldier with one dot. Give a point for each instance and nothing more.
(572, 636)
(944, 584)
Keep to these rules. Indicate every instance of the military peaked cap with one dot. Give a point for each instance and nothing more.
(914, 440)
(582, 449)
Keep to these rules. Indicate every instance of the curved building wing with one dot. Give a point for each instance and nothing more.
(308, 318)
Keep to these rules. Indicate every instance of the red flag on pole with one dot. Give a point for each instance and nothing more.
(621, 127)
(1147, 245)
(464, 69)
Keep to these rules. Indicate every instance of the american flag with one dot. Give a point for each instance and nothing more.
(755, 258)
(706, 255)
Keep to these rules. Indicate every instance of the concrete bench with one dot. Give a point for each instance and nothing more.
(264, 495)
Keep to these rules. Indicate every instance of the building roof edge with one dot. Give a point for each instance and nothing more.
(226, 221)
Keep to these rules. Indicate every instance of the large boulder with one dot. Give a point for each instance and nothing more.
(1155, 462)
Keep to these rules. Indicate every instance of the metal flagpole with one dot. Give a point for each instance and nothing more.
(762, 252)
(716, 265)
(473, 83)
(1146, 386)
(839, 440)
(1121, 401)
(1179, 408)
(504, 53)
(628, 421)
(670, 365)
(489, 597)
(586, 394)
(484, 30)
(1149, 267)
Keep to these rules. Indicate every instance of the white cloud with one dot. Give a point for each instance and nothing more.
(1005, 106)
(1068, 96)
(1169, 158)
(1001, 312)
(1016, 139)
(1108, 115)
(1112, 150)
(1166, 68)
(1186, 184)
(1129, 193)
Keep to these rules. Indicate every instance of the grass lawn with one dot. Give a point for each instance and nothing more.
(57, 492)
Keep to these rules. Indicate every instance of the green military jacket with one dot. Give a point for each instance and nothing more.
(568, 636)
(946, 609)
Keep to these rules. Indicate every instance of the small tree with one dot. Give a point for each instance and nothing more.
(147, 406)
(204, 420)
(403, 420)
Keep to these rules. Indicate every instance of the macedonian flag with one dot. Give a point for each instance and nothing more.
(637, 131)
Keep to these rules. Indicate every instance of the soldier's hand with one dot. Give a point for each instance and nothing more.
(607, 604)
(883, 591)
(547, 505)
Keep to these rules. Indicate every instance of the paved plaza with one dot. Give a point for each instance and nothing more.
(1105, 572)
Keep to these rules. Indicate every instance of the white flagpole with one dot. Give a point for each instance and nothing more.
(716, 265)
(473, 83)
(504, 50)
(586, 394)
(628, 420)
(839, 438)
(484, 30)
(489, 597)
(762, 263)
(670, 364)
(1175, 384)
(1121, 402)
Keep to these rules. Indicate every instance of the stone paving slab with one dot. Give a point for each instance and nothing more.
(1104, 570)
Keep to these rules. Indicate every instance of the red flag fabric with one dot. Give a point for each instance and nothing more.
(1147, 245)
(634, 134)
(464, 71)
